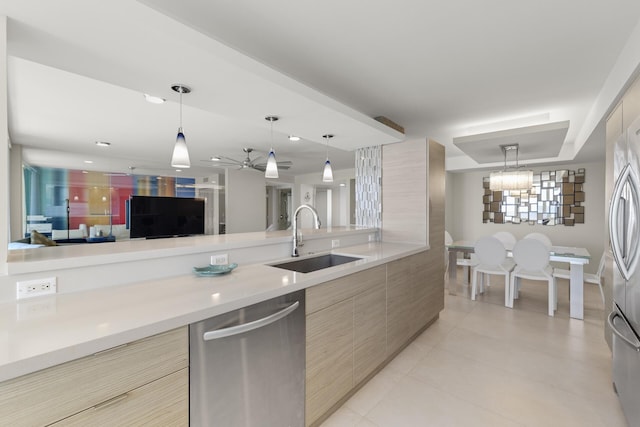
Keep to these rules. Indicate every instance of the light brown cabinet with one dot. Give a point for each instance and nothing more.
(345, 335)
(631, 104)
(120, 377)
(160, 403)
(357, 323)
(369, 318)
(400, 304)
(329, 358)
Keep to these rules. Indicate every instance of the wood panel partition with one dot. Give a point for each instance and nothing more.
(404, 192)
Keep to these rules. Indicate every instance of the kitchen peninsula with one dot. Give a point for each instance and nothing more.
(81, 323)
(119, 318)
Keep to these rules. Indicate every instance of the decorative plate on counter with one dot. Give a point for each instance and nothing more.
(214, 270)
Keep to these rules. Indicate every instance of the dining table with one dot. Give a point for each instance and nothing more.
(576, 258)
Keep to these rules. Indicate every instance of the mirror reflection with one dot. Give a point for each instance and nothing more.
(556, 197)
(63, 206)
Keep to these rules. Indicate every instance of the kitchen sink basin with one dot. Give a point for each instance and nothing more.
(307, 265)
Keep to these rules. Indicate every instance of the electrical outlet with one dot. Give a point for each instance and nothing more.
(36, 287)
(220, 259)
(335, 243)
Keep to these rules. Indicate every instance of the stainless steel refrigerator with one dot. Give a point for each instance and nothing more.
(624, 234)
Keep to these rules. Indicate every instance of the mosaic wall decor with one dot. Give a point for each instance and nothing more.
(369, 186)
(556, 197)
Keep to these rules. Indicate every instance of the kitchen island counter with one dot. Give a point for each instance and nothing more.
(46, 331)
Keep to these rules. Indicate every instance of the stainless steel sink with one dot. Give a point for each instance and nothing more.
(307, 265)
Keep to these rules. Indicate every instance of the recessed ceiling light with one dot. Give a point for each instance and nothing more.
(88, 161)
(294, 138)
(85, 171)
(154, 99)
(178, 170)
(342, 184)
(215, 159)
(103, 144)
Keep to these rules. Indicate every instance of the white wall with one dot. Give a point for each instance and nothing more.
(246, 208)
(464, 212)
(312, 183)
(4, 148)
(341, 205)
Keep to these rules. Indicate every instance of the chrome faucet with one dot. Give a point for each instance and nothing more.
(297, 241)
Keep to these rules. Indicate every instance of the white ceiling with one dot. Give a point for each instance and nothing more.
(445, 70)
(533, 142)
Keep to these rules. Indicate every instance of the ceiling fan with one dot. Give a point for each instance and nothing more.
(247, 163)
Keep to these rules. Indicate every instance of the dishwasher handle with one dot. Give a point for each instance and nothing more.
(610, 321)
(250, 326)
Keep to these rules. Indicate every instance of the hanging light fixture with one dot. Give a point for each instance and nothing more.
(327, 173)
(271, 170)
(180, 158)
(514, 179)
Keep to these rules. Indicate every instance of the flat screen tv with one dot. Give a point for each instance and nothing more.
(154, 217)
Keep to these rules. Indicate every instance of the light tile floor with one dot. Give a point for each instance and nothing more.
(482, 364)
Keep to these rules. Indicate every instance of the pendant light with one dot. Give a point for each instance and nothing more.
(271, 170)
(515, 179)
(327, 174)
(180, 158)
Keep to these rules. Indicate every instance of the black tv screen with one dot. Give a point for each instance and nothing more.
(152, 216)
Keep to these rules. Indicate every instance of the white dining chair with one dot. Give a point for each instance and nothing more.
(532, 262)
(541, 237)
(492, 259)
(507, 239)
(596, 279)
(465, 263)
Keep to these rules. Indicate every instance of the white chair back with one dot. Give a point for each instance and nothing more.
(447, 241)
(541, 237)
(600, 271)
(507, 239)
(531, 254)
(447, 238)
(490, 251)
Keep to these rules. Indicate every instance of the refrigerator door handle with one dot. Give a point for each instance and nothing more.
(614, 329)
(250, 326)
(625, 255)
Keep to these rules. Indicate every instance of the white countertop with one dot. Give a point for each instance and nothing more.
(81, 323)
(78, 255)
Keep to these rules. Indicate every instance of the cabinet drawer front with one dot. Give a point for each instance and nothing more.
(161, 403)
(55, 393)
(329, 293)
(370, 331)
(329, 374)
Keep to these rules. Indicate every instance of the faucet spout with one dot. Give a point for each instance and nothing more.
(297, 240)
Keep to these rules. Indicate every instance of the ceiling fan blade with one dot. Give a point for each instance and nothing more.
(286, 164)
(225, 162)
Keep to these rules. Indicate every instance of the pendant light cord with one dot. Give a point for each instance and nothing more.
(181, 110)
(326, 137)
(271, 122)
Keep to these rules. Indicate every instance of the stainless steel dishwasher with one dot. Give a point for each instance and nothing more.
(247, 367)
